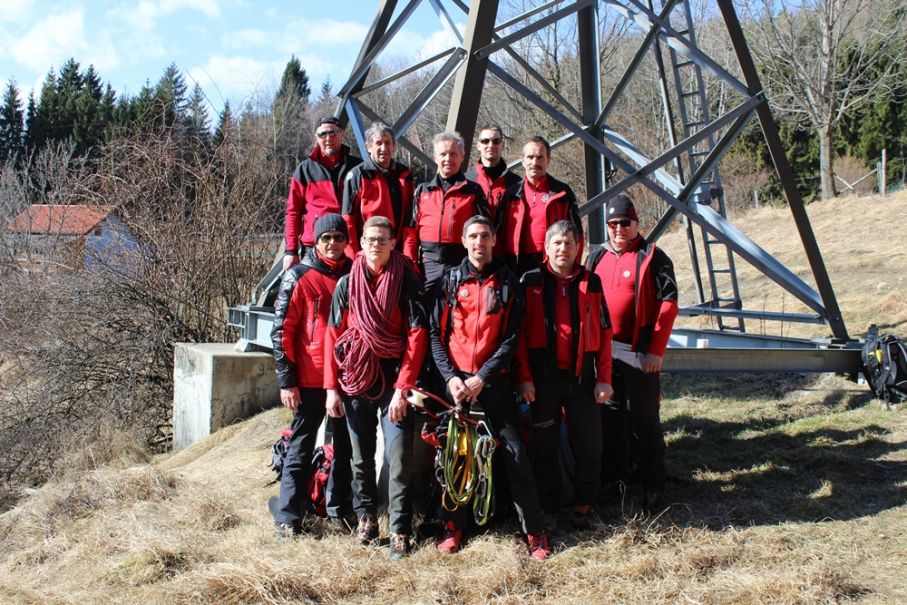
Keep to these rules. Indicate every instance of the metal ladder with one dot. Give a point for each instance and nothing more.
(689, 87)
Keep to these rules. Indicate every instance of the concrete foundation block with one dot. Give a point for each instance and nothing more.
(214, 386)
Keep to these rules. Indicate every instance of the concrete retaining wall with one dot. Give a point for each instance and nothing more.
(214, 386)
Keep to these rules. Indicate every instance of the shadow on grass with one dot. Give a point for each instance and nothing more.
(794, 462)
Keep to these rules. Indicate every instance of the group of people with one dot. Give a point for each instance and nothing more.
(472, 286)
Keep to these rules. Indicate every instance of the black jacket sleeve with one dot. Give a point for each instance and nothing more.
(286, 369)
(438, 303)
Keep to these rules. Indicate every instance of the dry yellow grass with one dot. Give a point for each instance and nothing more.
(792, 490)
(864, 251)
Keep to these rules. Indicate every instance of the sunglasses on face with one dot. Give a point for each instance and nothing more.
(327, 133)
(327, 238)
(624, 222)
(495, 141)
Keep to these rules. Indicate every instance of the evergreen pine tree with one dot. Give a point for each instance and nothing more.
(11, 123)
(169, 98)
(225, 125)
(196, 122)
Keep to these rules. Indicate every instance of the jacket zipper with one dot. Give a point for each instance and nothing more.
(314, 319)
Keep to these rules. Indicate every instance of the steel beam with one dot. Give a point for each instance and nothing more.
(590, 82)
(467, 92)
(785, 173)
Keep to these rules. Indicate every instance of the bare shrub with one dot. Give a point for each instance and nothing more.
(92, 346)
(850, 169)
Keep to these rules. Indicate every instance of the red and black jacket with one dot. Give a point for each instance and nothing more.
(315, 190)
(590, 327)
(494, 188)
(368, 192)
(475, 320)
(435, 228)
(655, 295)
(513, 216)
(300, 319)
(408, 317)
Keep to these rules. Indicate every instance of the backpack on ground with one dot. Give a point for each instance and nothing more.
(279, 454)
(322, 461)
(885, 366)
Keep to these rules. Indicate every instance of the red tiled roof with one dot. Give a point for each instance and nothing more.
(58, 219)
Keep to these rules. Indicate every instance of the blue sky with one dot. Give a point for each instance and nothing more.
(235, 49)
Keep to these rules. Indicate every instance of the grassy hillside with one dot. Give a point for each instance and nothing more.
(788, 490)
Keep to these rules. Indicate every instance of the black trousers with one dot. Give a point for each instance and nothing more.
(584, 427)
(294, 498)
(631, 423)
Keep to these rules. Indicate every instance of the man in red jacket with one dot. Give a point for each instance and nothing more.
(375, 344)
(639, 284)
(316, 188)
(491, 172)
(476, 315)
(531, 206)
(440, 207)
(379, 186)
(300, 318)
(564, 363)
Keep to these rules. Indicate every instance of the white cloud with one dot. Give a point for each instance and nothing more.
(145, 14)
(232, 77)
(15, 11)
(51, 41)
(327, 32)
(244, 38)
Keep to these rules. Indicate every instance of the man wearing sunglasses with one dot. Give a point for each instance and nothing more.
(639, 285)
(491, 172)
(316, 188)
(300, 319)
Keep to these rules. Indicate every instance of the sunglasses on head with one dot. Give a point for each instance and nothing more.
(333, 237)
(494, 141)
(624, 222)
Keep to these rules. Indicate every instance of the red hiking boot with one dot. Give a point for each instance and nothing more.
(539, 549)
(452, 539)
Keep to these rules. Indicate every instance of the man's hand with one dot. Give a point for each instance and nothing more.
(474, 386)
(458, 389)
(603, 392)
(527, 391)
(290, 398)
(396, 411)
(650, 363)
(333, 404)
(289, 260)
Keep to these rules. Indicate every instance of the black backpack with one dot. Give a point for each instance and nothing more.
(885, 366)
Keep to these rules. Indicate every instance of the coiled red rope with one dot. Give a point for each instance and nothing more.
(370, 335)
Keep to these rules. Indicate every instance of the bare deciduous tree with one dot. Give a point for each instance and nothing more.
(824, 58)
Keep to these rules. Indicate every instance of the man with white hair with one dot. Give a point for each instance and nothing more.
(440, 208)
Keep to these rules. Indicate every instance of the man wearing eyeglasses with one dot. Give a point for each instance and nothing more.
(440, 208)
(491, 172)
(316, 188)
(300, 319)
(379, 186)
(375, 344)
(639, 284)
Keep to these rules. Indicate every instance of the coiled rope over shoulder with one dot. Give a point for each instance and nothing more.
(370, 335)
